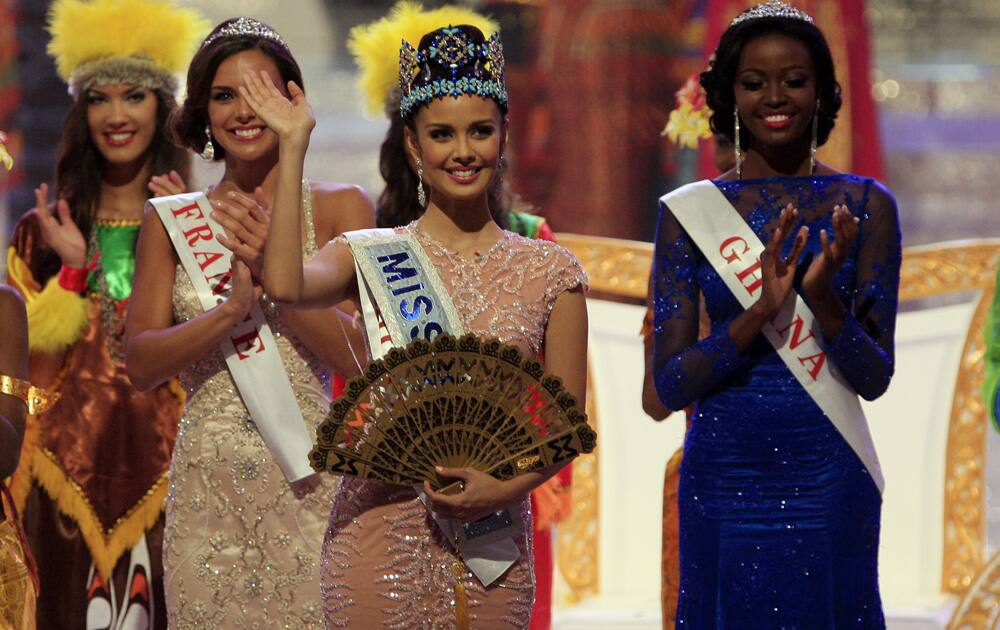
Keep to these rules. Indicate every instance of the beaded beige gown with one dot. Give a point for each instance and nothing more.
(241, 547)
(385, 563)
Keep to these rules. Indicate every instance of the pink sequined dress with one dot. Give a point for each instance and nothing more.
(384, 562)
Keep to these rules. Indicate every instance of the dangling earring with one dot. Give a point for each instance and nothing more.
(737, 150)
(208, 153)
(812, 143)
(501, 167)
(421, 195)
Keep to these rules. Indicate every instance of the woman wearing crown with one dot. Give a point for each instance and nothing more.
(398, 204)
(93, 475)
(385, 561)
(244, 531)
(780, 488)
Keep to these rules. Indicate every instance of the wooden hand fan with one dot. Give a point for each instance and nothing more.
(465, 402)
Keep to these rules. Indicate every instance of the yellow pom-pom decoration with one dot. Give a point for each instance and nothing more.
(375, 46)
(122, 41)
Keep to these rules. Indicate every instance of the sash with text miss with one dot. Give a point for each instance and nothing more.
(402, 299)
(734, 250)
(250, 349)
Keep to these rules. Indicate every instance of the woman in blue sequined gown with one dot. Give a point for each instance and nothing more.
(779, 519)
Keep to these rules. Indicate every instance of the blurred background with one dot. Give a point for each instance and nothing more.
(592, 84)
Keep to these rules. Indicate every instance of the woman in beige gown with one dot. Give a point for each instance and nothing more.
(385, 564)
(241, 544)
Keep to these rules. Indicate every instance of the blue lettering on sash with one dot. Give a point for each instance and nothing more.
(414, 313)
(392, 270)
(397, 266)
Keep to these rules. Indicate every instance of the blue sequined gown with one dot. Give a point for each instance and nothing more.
(779, 519)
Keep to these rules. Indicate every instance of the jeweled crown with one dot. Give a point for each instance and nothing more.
(451, 61)
(771, 9)
(245, 27)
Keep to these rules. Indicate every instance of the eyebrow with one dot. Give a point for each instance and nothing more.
(785, 69)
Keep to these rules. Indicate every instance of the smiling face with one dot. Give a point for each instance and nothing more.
(121, 120)
(775, 90)
(234, 124)
(460, 141)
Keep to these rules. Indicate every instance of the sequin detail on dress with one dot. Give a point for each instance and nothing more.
(384, 562)
(779, 520)
(242, 547)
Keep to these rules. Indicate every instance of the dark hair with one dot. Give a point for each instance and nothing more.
(719, 78)
(79, 163)
(189, 122)
(398, 204)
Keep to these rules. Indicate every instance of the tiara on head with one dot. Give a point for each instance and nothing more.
(771, 9)
(246, 27)
(451, 61)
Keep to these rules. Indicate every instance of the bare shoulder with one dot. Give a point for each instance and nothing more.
(339, 208)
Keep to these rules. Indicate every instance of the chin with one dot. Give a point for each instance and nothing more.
(250, 152)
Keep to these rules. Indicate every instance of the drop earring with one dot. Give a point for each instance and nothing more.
(501, 167)
(812, 143)
(421, 194)
(737, 150)
(208, 153)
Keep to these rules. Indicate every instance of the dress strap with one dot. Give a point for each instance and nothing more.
(307, 210)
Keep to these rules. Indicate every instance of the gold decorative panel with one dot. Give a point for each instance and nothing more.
(979, 609)
(577, 545)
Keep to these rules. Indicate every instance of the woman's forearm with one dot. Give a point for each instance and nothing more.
(320, 331)
(281, 274)
(155, 355)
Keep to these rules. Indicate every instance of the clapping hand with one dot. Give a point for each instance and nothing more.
(819, 276)
(168, 184)
(246, 221)
(61, 234)
(290, 117)
(777, 273)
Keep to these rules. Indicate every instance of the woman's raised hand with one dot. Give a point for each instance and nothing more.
(289, 117)
(246, 222)
(61, 234)
(777, 273)
(819, 277)
(167, 184)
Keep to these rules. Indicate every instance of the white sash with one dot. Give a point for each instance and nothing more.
(396, 279)
(733, 250)
(250, 350)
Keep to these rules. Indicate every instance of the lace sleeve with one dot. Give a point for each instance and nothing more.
(864, 348)
(684, 368)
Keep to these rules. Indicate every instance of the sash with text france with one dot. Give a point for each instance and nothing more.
(250, 350)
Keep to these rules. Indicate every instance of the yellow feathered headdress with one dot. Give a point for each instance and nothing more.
(143, 42)
(375, 46)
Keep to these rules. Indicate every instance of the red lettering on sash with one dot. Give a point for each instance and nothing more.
(190, 211)
(206, 258)
(797, 338)
(816, 362)
(221, 283)
(246, 343)
(751, 273)
(200, 233)
(728, 249)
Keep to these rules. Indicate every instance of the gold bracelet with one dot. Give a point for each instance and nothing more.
(36, 398)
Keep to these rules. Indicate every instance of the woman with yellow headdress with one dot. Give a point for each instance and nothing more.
(93, 473)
